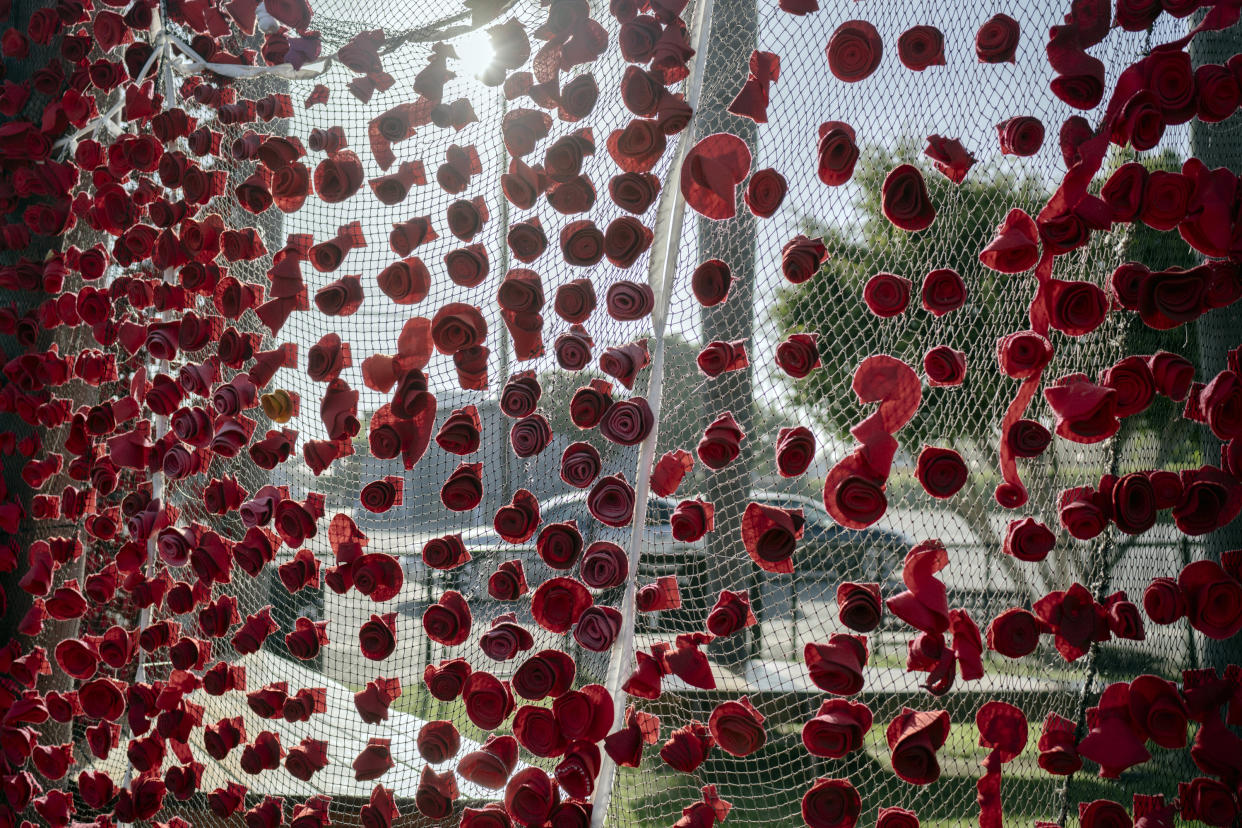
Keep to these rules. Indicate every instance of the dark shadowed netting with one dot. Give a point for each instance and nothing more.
(892, 113)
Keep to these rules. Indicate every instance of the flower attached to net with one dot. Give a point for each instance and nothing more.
(831, 803)
(914, 737)
(905, 201)
(712, 170)
(854, 51)
(836, 666)
(837, 729)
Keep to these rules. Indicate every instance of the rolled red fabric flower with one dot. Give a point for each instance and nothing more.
(765, 193)
(1021, 136)
(1085, 412)
(730, 613)
(628, 301)
(859, 606)
(770, 534)
(634, 192)
(446, 680)
(837, 153)
(560, 544)
(490, 765)
(464, 488)
(1028, 540)
(611, 501)
(831, 803)
(940, 471)
(460, 433)
(687, 747)
(582, 243)
(798, 355)
(597, 628)
(1164, 601)
(516, 521)
(801, 258)
(1016, 246)
(997, 40)
(710, 282)
(905, 201)
(920, 47)
(795, 449)
(547, 673)
(590, 403)
(580, 464)
(944, 366)
(1213, 599)
(721, 442)
(836, 666)
(558, 603)
(377, 637)
(837, 729)
(913, 738)
(1014, 633)
(505, 638)
(448, 620)
(627, 422)
(530, 797)
(624, 240)
(446, 552)
(379, 496)
(950, 158)
(737, 727)
(854, 51)
(712, 170)
(692, 519)
(467, 266)
(508, 582)
(1076, 308)
(943, 291)
(718, 357)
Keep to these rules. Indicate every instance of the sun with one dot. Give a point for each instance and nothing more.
(474, 53)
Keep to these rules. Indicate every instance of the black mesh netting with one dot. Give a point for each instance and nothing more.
(892, 113)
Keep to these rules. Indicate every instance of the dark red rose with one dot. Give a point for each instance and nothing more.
(1022, 136)
(737, 727)
(905, 201)
(913, 739)
(831, 803)
(854, 51)
(710, 282)
(765, 192)
(377, 637)
(997, 40)
(795, 449)
(941, 471)
(920, 47)
(943, 291)
(837, 729)
(1164, 601)
(944, 366)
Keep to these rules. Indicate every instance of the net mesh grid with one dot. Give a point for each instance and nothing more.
(892, 112)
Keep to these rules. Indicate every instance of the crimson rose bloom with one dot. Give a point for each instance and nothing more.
(737, 727)
(837, 729)
(854, 51)
(913, 739)
(905, 201)
(831, 803)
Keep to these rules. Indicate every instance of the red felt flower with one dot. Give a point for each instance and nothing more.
(490, 765)
(488, 700)
(765, 192)
(941, 471)
(770, 534)
(831, 803)
(377, 637)
(837, 153)
(905, 201)
(558, 603)
(887, 294)
(737, 727)
(710, 282)
(997, 40)
(836, 667)
(730, 613)
(854, 51)
(913, 738)
(447, 621)
(711, 172)
(838, 729)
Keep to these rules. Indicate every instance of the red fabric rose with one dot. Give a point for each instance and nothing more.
(887, 294)
(997, 40)
(831, 803)
(913, 738)
(1021, 136)
(838, 729)
(905, 201)
(854, 51)
(711, 172)
(940, 471)
(836, 667)
(737, 727)
(447, 621)
(765, 193)
(1016, 246)
(1014, 633)
(837, 153)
